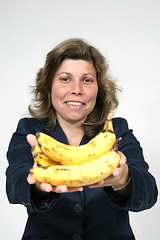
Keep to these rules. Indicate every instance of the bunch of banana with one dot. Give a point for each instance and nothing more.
(70, 155)
(61, 164)
(79, 174)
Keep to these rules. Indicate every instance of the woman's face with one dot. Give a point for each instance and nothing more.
(74, 90)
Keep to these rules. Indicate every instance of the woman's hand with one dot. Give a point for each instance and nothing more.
(119, 177)
(46, 187)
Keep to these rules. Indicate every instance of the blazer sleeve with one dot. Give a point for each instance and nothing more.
(144, 188)
(20, 162)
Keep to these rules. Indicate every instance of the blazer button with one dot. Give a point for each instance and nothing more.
(76, 236)
(77, 208)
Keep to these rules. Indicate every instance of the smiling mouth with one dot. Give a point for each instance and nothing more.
(75, 103)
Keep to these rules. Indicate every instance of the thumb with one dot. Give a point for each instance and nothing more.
(32, 140)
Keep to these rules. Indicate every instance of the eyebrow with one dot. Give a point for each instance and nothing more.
(85, 74)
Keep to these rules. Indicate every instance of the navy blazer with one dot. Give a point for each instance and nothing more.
(94, 214)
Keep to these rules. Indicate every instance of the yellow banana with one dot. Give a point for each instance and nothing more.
(69, 155)
(40, 158)
(80, 174)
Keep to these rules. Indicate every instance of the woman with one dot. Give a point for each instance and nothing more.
(73, 97)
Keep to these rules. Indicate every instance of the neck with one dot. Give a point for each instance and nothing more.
(74, 132)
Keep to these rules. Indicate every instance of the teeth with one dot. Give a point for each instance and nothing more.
(74, 103)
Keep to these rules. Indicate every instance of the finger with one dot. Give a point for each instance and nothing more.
(32, 140)
(123, 159)
(64, 189)
(75, 189)
(30, 179)
(46, 187)
(101, 182)
(116, 172)
(60, 189)
(34, 165)
(120, 170)
(98, 184)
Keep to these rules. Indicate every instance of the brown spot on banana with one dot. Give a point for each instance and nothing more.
(54, 150)
(91, 155)
(38, 164)
(45, 167)
(61, 169)
(110, 131)
(46, 149)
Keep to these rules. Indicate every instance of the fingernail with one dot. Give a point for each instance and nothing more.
(63, 189)
(116, 173)
(48, 189)
(122, 162)
(81, 189)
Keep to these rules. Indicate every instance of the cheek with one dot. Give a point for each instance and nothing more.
(57, 93)
(55, 96)
(92, 95)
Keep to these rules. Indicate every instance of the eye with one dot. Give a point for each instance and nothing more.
(65, 79)
(87, 80)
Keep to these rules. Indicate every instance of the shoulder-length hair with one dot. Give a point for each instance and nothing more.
(42, 107)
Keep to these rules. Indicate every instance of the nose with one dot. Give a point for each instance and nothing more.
(76, 88)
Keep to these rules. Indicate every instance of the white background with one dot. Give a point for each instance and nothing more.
(127, 32)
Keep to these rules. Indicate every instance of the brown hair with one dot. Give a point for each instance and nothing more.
(107, 89)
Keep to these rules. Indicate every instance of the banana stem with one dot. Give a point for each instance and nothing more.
(116, 145)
